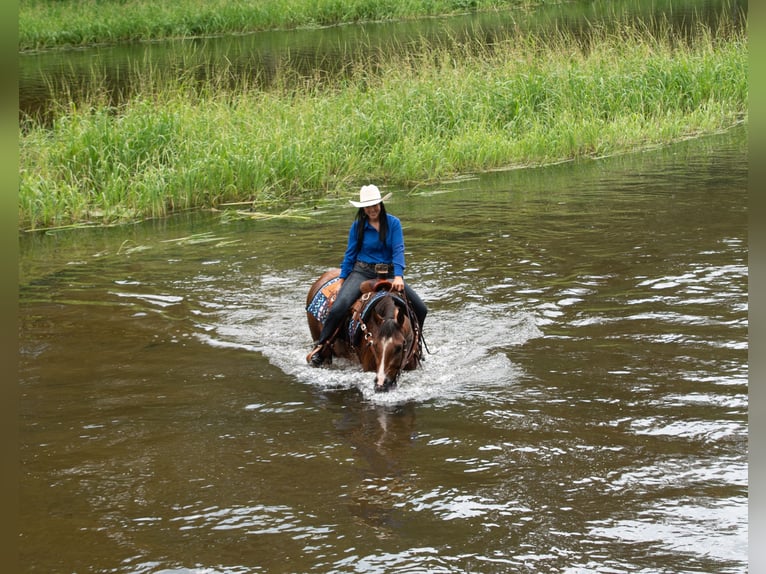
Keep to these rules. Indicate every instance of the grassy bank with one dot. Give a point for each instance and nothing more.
(422, 118)
(53, 23)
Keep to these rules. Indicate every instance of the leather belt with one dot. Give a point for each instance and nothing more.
(378, 268)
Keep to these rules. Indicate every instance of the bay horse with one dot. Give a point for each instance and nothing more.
(381, 331)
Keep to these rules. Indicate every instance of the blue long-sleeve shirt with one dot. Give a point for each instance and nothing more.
(372, 249)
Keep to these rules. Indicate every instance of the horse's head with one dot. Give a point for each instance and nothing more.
(390, 341)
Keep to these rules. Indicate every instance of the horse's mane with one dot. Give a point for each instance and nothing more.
(389, 326)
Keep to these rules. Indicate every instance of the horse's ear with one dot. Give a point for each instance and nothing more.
(399, 316)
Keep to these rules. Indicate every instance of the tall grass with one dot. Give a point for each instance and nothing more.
(522, 101)
(51, 23)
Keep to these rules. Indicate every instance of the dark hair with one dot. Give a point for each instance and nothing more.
(361, 218)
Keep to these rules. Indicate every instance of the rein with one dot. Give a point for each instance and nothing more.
(416, 349)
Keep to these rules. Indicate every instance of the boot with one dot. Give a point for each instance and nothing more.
(316, 357)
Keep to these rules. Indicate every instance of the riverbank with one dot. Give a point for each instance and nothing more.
(526, 101)
(45, 24)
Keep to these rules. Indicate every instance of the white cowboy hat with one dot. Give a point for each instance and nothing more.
(369, 195)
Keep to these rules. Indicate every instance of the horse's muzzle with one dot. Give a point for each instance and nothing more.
(387, 385)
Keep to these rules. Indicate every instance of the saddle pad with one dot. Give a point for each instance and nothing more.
(323, 300)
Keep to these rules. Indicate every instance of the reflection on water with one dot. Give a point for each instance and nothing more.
(583, 407)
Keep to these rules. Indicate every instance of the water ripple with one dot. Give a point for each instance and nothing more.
(258, 519)
(459, 366)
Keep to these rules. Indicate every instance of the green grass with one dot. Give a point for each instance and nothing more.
(420, 118)
(53, 23)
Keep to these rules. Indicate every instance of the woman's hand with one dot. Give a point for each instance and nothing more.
(398, 283)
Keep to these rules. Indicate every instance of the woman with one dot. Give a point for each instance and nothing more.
(375, 237)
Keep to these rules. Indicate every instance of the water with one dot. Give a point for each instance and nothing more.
(583, 407)
(259, 58)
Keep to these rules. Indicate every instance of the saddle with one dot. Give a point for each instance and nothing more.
(376, 284)
(322, 302)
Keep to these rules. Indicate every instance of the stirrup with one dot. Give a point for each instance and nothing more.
(315, 356)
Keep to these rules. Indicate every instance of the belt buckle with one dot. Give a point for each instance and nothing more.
(381, 269)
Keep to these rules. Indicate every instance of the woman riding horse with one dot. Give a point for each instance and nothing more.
(375, 238)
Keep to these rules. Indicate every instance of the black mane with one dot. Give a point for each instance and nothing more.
(390, 325)
(388, 328)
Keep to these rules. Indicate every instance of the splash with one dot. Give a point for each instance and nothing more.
(467, 348)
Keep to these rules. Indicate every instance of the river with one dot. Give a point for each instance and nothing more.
(259, 58)
(583, 407)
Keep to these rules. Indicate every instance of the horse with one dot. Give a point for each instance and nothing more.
(380, 331)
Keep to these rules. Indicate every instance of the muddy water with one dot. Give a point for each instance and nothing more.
(583, 407)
